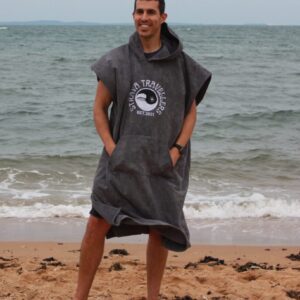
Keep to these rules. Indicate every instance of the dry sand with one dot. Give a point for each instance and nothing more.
(24, 274)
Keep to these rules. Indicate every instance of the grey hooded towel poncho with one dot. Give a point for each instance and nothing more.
(137, 187)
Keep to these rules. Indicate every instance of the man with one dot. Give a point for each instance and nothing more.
(142, 176)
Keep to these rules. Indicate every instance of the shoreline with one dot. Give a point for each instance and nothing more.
(247, 231)
(43, 270)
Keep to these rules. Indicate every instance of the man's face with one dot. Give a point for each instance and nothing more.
(147, 18)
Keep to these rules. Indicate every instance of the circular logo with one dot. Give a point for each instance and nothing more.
(146, 99)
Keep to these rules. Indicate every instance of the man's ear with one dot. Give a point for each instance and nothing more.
(164, 17)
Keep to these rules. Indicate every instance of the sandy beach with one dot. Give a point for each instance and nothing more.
(41, 270)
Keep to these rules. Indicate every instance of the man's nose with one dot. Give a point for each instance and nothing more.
(145, 16)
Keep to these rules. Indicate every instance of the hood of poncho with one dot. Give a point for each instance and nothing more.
(171, 45)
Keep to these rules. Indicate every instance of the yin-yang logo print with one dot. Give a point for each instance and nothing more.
(147, 98)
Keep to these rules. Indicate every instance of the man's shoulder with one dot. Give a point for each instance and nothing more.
(188, 58)
(111, 59)
(116, 53)
(192, 63)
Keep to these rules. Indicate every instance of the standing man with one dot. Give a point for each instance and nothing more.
(142, 177)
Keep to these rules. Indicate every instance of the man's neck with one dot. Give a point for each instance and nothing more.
(151, 45)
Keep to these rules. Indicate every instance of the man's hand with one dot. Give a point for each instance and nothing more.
(186, 132)
(175, 155)
(110, 148)
(102, 102)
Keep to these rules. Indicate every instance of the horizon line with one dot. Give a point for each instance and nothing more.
(57, 22)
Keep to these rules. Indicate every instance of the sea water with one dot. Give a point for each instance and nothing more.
(245, 147)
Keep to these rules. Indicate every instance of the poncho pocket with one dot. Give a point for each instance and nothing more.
(141, 154)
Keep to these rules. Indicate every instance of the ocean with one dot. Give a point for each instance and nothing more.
(246, 144)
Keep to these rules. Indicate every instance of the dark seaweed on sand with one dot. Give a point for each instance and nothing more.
(253, 266)
(118, 252)
(293, 294)
(209, 260)
(51, 261)
(116, 267)
(294, 257)
(6, 263)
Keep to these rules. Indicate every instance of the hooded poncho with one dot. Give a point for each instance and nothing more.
(137, 187)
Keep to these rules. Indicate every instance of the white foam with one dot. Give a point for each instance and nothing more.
(240, 206)
(202, 201)
(27, 195)
(42, 210)
(12, 188)
(13, 193)
(78, 195)
(38, 172)
(219, 207)
(11, 179)
(77, 175)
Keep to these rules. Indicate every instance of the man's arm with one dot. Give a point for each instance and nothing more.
(186, 132)
(102, 101)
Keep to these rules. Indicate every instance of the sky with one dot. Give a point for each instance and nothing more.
(271, 12)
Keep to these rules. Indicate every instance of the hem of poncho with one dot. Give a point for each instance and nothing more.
(124, 225)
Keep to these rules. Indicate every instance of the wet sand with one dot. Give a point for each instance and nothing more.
(39, 270)
(244, 231)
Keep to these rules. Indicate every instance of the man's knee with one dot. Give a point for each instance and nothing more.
(154, 234)
(97, 226)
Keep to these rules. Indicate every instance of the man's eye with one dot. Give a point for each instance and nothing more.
(139, 11)
(151, 12)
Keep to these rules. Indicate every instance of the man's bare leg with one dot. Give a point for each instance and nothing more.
(156, 261)
(90, 256)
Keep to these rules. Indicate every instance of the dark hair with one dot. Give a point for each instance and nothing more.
(162, 5)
